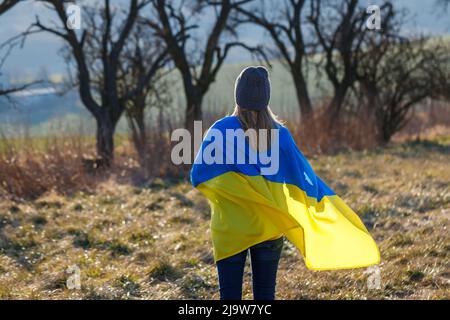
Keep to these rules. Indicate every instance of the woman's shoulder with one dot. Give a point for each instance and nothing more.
(232, 122)
(283, 129)
(228, 122)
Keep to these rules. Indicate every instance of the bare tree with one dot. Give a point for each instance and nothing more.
(397, 74)
(284, 21)
(198, 63)
(142, 77)
(340, 30)
(438, 70)
(97, 52)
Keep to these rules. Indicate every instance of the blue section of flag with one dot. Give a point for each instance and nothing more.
(293, 167)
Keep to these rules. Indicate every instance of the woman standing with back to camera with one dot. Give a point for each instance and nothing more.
(253, 210)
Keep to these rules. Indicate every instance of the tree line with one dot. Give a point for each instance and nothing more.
(123, 51)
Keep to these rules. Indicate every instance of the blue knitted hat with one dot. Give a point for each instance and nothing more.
(252, 88)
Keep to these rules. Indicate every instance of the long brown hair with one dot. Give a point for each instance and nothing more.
(261, 119)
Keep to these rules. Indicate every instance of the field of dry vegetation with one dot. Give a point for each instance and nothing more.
(150, 239)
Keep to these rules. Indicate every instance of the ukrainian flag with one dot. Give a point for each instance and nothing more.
(249, 207)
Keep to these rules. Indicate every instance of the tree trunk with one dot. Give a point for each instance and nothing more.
(301, 89)
(383, 135)
(334, 107)
(193, 111)
(105, 138)
(136, 120)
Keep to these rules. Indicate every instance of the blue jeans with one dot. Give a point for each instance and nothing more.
(264, 261)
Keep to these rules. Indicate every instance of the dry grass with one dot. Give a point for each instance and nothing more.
(153, 241)
(349, 132)
(31, 167)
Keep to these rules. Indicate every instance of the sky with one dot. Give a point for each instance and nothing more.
(40, 52)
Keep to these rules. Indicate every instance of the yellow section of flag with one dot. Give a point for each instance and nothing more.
(247, 210)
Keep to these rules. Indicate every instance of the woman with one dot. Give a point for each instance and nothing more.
(253, 207)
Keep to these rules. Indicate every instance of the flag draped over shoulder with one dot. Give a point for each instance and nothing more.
(249, 207)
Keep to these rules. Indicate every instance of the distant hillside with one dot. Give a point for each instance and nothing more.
(46, 113)
(38, 111)
(41, 113)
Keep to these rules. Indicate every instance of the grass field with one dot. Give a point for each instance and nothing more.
(153, 241)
